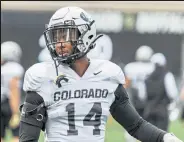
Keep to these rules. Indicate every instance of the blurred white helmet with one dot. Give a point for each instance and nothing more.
(41, 42)
(159, 58)
(11, 51)
(44, 56)
(143, 53)
(103, 49)
(74, 25)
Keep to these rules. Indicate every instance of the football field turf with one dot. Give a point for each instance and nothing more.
(115, 133)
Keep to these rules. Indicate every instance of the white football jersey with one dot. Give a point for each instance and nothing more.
(9, 70)
(79, 109)
(137, 73)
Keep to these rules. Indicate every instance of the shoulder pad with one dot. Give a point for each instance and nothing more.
(116, 72)
(34, 77)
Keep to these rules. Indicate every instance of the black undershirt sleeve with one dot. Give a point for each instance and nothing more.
(126, 115)
(28, 132)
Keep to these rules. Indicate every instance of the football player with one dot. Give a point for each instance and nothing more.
(135, 73)
(11, 76)
(71, 98)
(161, 90)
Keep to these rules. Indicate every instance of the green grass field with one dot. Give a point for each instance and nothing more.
(115, 133)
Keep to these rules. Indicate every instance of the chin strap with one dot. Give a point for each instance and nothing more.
(56, 66)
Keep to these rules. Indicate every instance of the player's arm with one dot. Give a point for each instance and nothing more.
(14, 87)
(171, 87)
(33, 111)
(14, 95)
(14, 101)
(125, 114)
(182, 93)
(127, 82)
(33, 118)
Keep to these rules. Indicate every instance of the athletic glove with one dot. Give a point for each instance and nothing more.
(169, 137)
(14, 121)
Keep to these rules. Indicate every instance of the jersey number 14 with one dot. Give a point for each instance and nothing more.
(95, 110)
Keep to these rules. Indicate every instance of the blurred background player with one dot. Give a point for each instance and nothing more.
(161, 90)
(135, 75)
(44, 55)
(11, 76)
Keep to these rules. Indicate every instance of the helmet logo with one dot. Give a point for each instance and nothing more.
(84, 17)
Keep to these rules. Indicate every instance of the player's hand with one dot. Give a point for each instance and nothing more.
(169, 137)
(14, 121)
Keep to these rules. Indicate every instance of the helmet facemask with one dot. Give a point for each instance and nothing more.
(61, 34)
